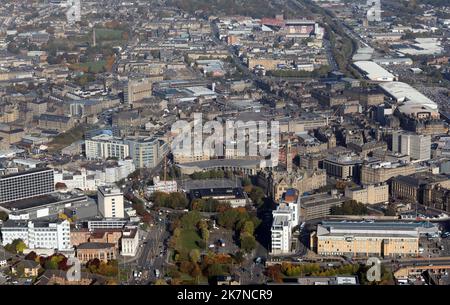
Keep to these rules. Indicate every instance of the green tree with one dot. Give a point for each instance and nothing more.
(248, 242)
(3, 216)
(17, 246)
(248, 228)
(257, 195)
(190, 219)
(194, 255)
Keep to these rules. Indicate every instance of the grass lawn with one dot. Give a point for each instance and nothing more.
(107, 34)
(188, 239)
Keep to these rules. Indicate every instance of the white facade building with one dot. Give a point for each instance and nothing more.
(38, 235)
(90, 180)
(130, 242)
(162, 186)
(73, 13)
(110, 202)
(285, 218)
(374, 10)
(281, 230)
(106, 146)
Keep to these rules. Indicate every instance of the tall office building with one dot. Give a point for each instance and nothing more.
(38, 235)
(285, 218)
(418, 147)
(110, 202)
(73, 13)
(26, 184)
(145, 152)
(281, 230)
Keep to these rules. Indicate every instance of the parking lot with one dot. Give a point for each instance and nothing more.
(226, 236)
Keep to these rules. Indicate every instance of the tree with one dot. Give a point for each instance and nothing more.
(20, 246)
(196, 271)
(239, 258)
(194, 255)
(248, 243)
(186, 267)
(190, 219)
(390, 211)
(257, 195)
(248, 228)
(216, 269)
(204, 232)
(3, 216)
(31, 256)
(274, 273)
(350, 207)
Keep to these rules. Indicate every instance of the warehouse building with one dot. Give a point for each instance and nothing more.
(374, 71)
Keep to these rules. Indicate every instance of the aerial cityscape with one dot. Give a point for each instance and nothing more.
(224, 142)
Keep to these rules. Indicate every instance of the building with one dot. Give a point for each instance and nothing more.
(28, 184)
(411, 102)
(38, 235)
(373, 13)
(111, 223)
(102, 251)
(418, 147)
(73, 14)
(247, 167)
(59, 277)
(369, 194)
(380, 172)
(301, 180)
(415, 187)
(145, 152)
(55, 122)
(85, 235)
(26, 268)
(110, 202)
(319, 205)
(285, 217)
(235, 196)
(437, 197)
(343, 167)
(162, 186)
(130, 242)
(137, 89)
(374, 71)
(328, 280)
(281, 231)
(105, 146)
(380, 239)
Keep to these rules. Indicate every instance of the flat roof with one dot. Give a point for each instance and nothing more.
(222, 162)
(374, 71)
(403, 92)
(32, 171)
